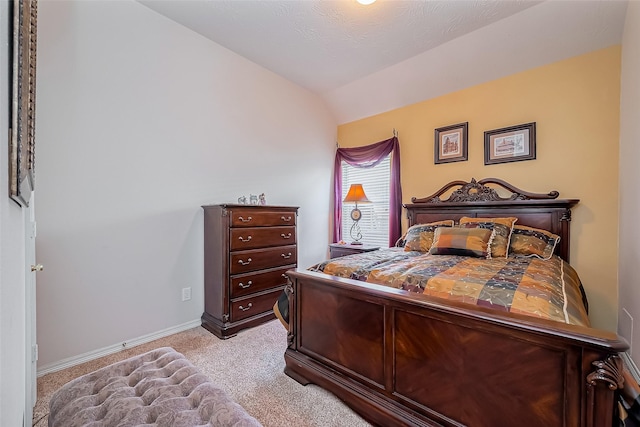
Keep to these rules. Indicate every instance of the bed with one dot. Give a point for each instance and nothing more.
(399, 357)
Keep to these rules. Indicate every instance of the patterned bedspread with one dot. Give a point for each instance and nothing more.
(549, 289)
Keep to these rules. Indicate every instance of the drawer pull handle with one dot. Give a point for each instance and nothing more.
(242, 239)
(285, 218)
(241, 262)
(245, 308)
(285, 236)
(286, 256)
(243, 286)
(284, 276)
(245, 220)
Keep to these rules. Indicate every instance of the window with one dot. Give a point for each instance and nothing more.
(355, 159)
(374, 224)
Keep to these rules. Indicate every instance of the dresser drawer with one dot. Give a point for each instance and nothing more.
(258, 259)
(261, 237)
(250, 306)
(250, 283)
(251, 218)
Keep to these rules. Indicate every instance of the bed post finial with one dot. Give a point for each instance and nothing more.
(608, 371)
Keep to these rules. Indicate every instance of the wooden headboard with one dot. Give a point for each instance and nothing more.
(475, 199)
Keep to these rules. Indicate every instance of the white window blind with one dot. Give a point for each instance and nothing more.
(376, 181)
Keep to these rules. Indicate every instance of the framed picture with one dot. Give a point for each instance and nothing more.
(451, 143)
(23, 101)
(511, 144)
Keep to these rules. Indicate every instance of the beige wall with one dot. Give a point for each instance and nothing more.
(575, 104)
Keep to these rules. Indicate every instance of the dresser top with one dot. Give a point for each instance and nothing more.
(247, 206)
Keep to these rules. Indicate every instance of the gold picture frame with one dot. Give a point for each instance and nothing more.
(23, 96)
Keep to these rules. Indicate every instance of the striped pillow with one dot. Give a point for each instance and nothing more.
(532, 242)
(474, 242)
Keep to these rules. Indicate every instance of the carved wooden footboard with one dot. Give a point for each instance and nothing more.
(410, 359)
(402, 359)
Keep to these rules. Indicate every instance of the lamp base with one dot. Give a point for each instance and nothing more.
(356, 243)
(355, 233)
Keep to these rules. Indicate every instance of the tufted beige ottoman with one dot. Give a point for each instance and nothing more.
(158, 388)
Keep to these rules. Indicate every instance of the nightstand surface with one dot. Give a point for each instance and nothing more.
(338, 249)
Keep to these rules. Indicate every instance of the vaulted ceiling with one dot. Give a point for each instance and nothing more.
(364, 60)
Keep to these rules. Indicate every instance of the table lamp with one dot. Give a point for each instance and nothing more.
(356, 194)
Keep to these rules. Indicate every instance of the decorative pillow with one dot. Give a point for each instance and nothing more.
(532, 242)
(419, 237)
(475, 242)
(503, 228)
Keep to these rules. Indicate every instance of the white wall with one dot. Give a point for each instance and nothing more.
(140, 122)
(629, 253)
(12, 265)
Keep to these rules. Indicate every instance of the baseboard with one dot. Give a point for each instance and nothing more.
(76, 360)
(635, 372)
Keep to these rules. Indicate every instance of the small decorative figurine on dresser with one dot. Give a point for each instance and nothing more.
(263, 199)
(253, 199)
(242, 200)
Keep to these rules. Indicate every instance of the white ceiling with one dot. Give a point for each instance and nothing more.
(342, 50)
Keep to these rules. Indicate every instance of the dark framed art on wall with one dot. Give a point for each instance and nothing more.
(451, 143)
(23, 101)
(510, 144)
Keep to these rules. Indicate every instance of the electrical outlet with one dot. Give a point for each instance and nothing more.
(186, 294)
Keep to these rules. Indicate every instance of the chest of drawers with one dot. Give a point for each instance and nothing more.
(247, 250)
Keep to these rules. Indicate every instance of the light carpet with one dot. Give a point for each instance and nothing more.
(249, 367)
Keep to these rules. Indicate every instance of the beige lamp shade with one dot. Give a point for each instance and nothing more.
(356, 194)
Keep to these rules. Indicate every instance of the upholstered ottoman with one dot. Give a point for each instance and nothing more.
(158, 388)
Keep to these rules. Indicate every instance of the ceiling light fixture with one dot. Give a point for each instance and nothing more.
(366, 2)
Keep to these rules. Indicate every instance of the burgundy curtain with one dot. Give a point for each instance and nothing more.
(367, 157)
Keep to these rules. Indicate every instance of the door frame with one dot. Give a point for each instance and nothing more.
(31, 346)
